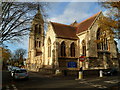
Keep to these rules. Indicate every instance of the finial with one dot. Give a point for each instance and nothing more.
(75, 21)
(38, 8)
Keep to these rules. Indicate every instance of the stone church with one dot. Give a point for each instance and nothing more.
(62, 45)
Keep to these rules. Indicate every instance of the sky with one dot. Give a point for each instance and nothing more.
(66, 13)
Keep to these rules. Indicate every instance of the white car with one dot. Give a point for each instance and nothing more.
(13, 69)
(9, 68)
(20, 74)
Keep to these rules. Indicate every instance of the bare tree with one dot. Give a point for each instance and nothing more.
(16, 18)
(19, 55)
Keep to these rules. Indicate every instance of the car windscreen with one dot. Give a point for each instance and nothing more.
(20, 71)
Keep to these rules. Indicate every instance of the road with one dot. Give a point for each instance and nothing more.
(38, 81)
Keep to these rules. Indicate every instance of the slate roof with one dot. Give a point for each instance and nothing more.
(64, 31)
(70, 31)
(84, 25)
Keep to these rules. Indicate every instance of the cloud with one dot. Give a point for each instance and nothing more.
(74, 11)
(66, 13)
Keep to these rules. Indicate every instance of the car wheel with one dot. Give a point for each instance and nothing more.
(14, 77)
(27, 78)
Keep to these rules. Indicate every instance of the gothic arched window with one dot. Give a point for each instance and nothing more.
(37, 29)
(37, 44)
(98, 34)
(49, 47)
(63, 48)
(84, 47)
(103, 45)
(72, 50)
(98, 38)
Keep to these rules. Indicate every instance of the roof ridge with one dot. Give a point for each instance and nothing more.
(96, 17)
(62, 24)
(84, 25)
(89, 18)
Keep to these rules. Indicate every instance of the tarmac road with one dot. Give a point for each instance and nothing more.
(38, 81)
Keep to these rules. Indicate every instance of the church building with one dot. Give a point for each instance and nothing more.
(62, 45)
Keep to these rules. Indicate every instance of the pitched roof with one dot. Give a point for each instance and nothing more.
(84, 25)
(64, 31)
(70, 31)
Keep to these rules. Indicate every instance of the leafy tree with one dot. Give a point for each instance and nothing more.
(111, 23)
(6, 56)
(16, 18)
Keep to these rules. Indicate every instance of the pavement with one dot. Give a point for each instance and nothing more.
(73, 77)
(105, 82)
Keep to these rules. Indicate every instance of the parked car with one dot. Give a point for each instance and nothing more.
(110, 72)
(20, 74)
(13, 68)
(9, 68)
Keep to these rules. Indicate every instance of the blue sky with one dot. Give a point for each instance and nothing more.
(66, 13)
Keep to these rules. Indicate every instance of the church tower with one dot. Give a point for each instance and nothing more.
(36, 41)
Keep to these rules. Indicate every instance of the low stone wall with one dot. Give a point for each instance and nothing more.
(69, 72)
(86, 73)
(47, 71)
(74, 73)
(91, 73)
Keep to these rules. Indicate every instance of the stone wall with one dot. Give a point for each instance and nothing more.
(51, 36)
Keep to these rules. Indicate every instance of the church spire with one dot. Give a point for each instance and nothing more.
(38, 17)
(38, 8)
